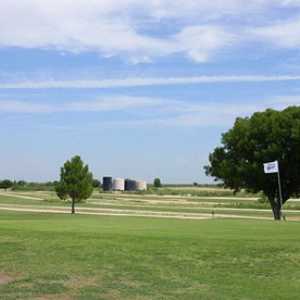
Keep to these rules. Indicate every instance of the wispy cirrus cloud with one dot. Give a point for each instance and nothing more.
(136, 82)
(167, 112)
(117, 103)
(219, 113)
(24, 107)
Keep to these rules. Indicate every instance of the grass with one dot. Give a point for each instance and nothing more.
(192, 191)
(162, 203)
(89, 257)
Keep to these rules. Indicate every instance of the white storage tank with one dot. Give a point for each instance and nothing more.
(141, 185)
(118, 184)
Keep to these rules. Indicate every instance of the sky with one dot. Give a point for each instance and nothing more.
(138, 89)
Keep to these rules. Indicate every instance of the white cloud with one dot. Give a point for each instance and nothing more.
(202, 9)
(283, 34)
(107, 27)
(13, 106)
(281, 102)
(112, 104)
(117, 27)
(167, 112)
(200, 41)
(291, 3)
(136, 82)
(100, 105)
(218, 114)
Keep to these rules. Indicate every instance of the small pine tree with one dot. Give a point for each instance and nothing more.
(75, 182)
(157, 183)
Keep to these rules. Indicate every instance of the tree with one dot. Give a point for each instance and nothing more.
(96, 183)
(264, 137)
(61, 191)
(6, 184)
(75, 182)
(157, 183)
(21, 182)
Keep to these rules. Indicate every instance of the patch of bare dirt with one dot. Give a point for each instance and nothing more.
(111, 295)
(81, 282)
(5, 279)
(55, 297)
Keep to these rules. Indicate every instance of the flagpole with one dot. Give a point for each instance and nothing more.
(279, 190)
(273, 167)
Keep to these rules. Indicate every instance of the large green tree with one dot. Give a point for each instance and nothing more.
(75, 182)
(265, 136)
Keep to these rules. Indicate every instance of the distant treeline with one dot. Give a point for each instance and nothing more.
(195, 184)
(34, 186)
(23, 185)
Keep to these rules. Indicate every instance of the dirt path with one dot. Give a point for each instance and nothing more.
(206, 206)
(15, 195)
(147, 201)
(124, 212)
(155, 197)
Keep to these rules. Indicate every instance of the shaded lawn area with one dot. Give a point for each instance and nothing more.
(49, 256)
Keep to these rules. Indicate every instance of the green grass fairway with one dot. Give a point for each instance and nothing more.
(49, 256)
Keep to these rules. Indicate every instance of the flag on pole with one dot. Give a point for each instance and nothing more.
(271, 167)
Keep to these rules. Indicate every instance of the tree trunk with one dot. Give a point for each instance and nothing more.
(275, 204)
(73, 206)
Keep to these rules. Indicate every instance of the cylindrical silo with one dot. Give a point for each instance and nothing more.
(118, 184)
(141, 185)
(107, 184)
(130, 185)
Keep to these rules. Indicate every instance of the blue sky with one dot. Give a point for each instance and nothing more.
(138, 89)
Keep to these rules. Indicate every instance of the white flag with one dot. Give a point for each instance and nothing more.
(271, 167)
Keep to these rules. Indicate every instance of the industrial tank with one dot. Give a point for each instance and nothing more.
(118, 184)
(107, 184)
(141, 185)
(130, 185)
